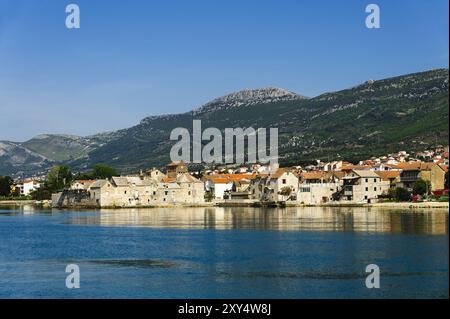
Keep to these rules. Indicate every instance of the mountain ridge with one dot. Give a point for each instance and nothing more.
(401, 111)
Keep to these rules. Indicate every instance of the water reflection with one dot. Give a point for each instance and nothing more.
(22, 209)
(289, 219)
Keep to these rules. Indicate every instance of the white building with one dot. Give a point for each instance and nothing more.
(317, 193)
(27, 186)
(218, 186)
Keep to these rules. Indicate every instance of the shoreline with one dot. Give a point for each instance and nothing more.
(398, 205)
(402, 205)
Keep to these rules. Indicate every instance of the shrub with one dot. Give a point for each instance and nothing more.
(402, 194)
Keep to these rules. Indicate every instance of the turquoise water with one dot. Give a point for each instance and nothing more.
(223, 253)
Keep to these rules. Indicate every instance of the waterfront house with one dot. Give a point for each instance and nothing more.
(414, 171)
(124, 191)
(391, 179)
(27, 186)
(282, 185)
(182, 189)
(362, 186)
(222, 184)
(319, 187)
(218, 186)
(317, 193)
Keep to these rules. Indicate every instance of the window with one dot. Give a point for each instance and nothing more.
(166, 192)
(189, 193)
(365, 197)
(367, 180)
(367, 189)
(375, 180)
(375, 189)
(125, 192)
(284, 181)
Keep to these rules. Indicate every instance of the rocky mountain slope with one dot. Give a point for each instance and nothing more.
(406, 112)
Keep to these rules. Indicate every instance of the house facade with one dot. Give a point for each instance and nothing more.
(319, 187)
(317, 193)
(429, 172)
(362, 186)
(282, 185)
(26, 187)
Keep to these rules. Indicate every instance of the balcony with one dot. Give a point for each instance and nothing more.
(409, 178)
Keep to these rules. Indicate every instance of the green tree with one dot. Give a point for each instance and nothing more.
(5, 186)
(209, 196)
(41, 193)
(58, 178)
(101, 171)
(402, 194)
(84, 176)
(421, 187)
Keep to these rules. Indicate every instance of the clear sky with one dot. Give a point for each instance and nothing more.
(132, 59)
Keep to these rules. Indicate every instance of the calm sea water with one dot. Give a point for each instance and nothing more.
(224, 253)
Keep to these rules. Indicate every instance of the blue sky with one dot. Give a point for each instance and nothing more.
(132, 59)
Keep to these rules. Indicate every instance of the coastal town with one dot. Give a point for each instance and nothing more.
(398, 177)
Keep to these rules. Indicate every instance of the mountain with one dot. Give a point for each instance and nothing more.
(18, 160)
(249, 97)
(402, 113)
(60, 147)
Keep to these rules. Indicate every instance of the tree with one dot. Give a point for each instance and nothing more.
(58, 178)
(41, 193)
(84, 176)
(421, 187)
(5, 186)
(101, 171)
(402, 194)
(209, 196)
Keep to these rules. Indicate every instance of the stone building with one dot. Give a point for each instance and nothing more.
(414, 171)
(124, 191)
(363, 186)
(319, 187)
(145, 190)
(176, 168)
(282, 185)
(182, 189)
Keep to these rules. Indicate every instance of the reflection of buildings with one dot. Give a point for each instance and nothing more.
(358, 219)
